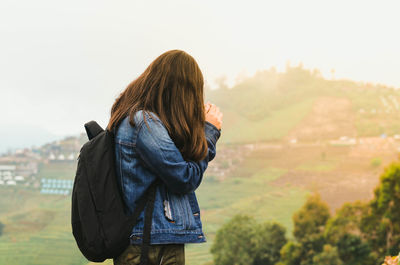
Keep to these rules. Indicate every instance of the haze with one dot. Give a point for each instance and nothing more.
(63, 63)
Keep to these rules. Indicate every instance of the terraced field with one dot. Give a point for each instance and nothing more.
(39, 234)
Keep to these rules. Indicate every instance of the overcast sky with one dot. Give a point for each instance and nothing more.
(62, 63)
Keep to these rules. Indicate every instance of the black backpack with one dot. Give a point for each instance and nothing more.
(100, 225)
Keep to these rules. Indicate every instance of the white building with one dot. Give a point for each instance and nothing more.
(19, 178)
(11, 182)
(7, 170)
(7, 177)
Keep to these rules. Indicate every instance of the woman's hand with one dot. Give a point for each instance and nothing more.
(213, 115)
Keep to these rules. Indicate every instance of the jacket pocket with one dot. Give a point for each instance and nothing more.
(180, 211)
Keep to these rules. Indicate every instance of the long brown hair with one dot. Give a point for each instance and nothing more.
(172, 88)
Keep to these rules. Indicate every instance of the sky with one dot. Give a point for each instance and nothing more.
(63, 63)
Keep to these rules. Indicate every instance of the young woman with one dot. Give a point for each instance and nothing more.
(165, 132)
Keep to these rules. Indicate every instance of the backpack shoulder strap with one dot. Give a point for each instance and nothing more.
(147, 200)
(144, 256)
(142, 203)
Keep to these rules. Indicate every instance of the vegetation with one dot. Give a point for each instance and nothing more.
(381, 223)
(246, 242)
(358, 234)
(376, 162)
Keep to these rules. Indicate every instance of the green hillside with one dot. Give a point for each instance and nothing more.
(269, 104)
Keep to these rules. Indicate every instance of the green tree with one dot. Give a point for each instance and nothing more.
(309, 226)
(235, 242)
(329, 256)
(347, 220)
(270, 239)
(353, 251)
(310, 220)
(1, 228)
(243, 241)
(291, 253)
(381, 225)
(343, 231)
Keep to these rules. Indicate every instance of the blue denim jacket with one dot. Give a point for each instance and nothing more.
(144, 153)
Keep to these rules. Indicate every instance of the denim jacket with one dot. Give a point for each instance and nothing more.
(145, 153)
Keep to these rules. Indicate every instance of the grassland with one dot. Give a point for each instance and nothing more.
(37, 231)
(274, 126)
(57, 170)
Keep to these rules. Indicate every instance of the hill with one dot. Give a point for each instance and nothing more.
(270, 104)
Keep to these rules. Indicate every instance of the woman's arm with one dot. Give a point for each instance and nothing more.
(160, 154)
(212, 135)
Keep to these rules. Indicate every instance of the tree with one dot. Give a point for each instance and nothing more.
(235, 242)
(310, 220)
(270, 239)
(309, 225)
(243, 241)
(343, 231)
(347, 220)
(381, 225)
(353, 251)
(329, 256)
(1, 228)
(291, 253)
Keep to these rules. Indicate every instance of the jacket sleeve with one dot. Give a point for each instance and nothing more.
(212, 136)
(160, 155)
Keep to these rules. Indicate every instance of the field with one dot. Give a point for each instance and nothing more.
(37, 226)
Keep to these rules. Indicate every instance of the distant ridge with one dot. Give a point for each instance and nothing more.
(15, 136)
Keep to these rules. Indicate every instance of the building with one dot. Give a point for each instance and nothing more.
(7, 170)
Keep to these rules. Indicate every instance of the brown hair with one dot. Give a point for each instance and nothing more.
(172, 88)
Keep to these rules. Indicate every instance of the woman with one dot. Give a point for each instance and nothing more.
(165, 132)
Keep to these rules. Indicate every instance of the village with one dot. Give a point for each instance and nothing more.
(22, 167)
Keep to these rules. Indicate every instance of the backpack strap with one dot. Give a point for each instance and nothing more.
(144, 256)
(147, 200)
